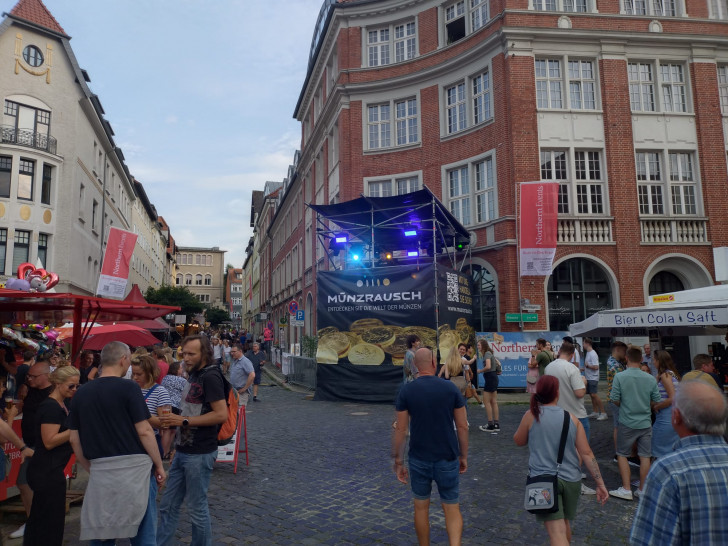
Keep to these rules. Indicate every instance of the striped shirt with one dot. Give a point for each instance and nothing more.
(685, 498)
(158, 397)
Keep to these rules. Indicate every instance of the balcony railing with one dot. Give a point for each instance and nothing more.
(23, 137)
(674, 231)
(585, 231)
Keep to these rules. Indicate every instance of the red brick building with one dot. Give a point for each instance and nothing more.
(623, 102)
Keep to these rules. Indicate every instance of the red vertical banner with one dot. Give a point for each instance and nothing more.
(117, 258)
(537, 227)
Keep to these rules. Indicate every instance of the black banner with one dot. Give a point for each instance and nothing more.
(456, 310)
(364, 317)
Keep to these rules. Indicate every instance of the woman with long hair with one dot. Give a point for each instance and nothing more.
(490, 390)
(540, 430)
(144, 371)
(454, 369)
(45, 472)
(663, 435)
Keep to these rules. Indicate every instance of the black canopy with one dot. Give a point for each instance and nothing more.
(385, 217)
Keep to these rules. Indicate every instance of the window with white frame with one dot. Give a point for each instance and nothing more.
(573, 6)
(405, 127)
(579, 79)
(455, 101)
(471, 191)
(718, 9)
(673, 88)
(580, 177)
(641, 87)
(722, 89)
(481, 97)
(396, 185)
(464, 17)
(658, 8)
(392, 44)
(549, 82)
(654, 188)
(672, 83)
(682, 183)
(468, 103)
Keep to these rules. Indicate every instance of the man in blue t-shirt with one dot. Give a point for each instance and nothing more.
(428, 406)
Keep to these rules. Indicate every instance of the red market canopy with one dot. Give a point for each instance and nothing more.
(41, 307)
(134, 336)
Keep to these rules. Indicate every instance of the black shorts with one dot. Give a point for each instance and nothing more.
(258, 375)
(491, 382)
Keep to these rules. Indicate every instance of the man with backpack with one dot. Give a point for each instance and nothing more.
(203, 409)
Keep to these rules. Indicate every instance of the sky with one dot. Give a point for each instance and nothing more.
(200, 94)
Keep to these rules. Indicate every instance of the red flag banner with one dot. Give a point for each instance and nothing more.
(115, 269)
(537, 227)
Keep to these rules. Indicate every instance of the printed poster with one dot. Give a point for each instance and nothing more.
(513, 349)
(115, 269)
(537, 227)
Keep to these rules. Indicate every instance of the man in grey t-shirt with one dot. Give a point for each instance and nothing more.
(242, 373)
(591, 372)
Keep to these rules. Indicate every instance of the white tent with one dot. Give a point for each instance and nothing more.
(702, 311)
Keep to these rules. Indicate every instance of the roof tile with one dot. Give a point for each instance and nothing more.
(35, 12)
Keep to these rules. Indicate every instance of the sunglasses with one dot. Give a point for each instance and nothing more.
(73, 386)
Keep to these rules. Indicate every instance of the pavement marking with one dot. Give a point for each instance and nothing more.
(359, 413)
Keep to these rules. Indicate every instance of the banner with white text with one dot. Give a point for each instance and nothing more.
(537, 228)
(513, 349)
(115, 269)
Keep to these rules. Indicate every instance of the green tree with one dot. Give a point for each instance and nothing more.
(179, 296)
(216, 316)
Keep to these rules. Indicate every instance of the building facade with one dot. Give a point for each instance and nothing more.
(234, 295)
(202, 271)
(623, 103)
(63, 179)
(149, 266)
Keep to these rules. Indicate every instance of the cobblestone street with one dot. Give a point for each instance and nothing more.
(320, 473)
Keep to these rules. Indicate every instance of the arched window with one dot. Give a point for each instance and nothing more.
(198, 279)
(188, 279)
(577, 289)
(663, 282)
(485, 309)
(208, 280)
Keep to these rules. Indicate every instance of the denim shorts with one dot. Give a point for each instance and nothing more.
(446, 475)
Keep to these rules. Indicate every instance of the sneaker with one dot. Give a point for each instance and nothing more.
(489, 428)
(255, 399)
(593, 415)
(19, 532)
(616, 459)
(587, 490)
(602, 417)
(496, 426)
(634, 461)
(638, 493)
(621, 493)
(583, 476)
(482, 405)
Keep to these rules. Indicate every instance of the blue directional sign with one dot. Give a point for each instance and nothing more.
(300, 314)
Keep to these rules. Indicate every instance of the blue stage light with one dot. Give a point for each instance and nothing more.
(410, 233)
(355, 257)
(412, 253)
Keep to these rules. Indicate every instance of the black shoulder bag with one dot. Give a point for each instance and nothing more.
(542, 492)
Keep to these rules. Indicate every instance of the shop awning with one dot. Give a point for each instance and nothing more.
(678, 320)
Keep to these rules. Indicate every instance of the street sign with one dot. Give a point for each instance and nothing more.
(300, 314)
(521, 317)
(292, 307)
(529, 307)
(296, 322)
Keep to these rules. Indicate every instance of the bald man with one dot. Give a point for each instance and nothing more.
(685, 500)
(436, 452)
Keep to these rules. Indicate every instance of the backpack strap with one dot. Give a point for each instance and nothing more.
(150, 391)
(562, 444)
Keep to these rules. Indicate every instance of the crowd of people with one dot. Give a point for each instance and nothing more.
(672, 428)
(123, 413)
